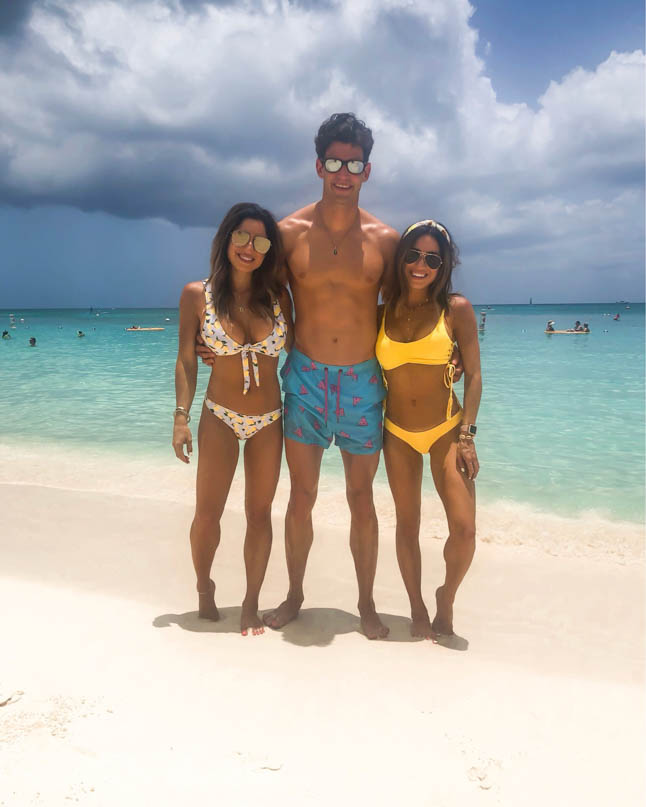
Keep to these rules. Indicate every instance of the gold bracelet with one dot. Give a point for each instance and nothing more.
(179, 410)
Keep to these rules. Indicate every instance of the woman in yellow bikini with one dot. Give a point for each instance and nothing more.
(418, 325)
(244, 316)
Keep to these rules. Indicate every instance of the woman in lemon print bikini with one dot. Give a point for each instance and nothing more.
(243, 315)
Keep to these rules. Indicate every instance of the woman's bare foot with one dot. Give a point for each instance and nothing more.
(421, 624)
(249, 620)
(443, 622)
(286, 612)
(207, 606)
(371, 625)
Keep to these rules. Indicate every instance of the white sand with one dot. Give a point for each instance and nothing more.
(130, 699)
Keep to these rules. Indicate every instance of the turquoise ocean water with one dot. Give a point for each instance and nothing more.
(561, 425)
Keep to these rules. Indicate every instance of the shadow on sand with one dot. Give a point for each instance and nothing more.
(315, 627)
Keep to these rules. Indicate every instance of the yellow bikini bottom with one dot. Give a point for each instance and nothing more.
(422, 441)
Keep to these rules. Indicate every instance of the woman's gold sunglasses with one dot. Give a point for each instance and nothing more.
(260, 243)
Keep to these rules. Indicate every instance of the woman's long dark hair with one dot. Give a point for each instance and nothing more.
(264, 280)
(440, 289)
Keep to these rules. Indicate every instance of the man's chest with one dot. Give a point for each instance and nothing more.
(318, 261)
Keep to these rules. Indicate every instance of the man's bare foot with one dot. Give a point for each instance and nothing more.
(249, 620)
(421, 624)
(207, 606)
(443, 622)
(286, 612)
(371, 625)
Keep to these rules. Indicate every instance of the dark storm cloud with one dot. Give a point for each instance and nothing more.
(144, 112)
(13, 15)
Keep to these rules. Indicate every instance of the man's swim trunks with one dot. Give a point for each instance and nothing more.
(325, 401)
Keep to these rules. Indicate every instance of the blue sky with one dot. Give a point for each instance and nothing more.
(128, 129)
(526, 45)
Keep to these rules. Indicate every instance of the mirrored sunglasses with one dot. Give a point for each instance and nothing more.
(333, 166)
(260, 243)
(433, 260)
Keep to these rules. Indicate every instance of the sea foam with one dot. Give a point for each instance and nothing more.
(591, 534)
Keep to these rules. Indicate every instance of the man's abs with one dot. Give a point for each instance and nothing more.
(335, 325)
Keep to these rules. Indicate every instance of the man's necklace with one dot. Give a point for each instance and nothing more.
(337, 244)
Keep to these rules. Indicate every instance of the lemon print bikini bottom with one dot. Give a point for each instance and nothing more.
(243, 426)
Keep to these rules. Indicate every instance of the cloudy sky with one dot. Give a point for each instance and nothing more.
(128, 128)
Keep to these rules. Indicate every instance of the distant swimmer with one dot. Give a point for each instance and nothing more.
(550, 325)
(586, 328)
(617, 316)
(578, 326)
(6, 335)
(32, 341)
(80, 334)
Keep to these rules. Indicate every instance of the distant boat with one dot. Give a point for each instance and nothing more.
(568, 332)
(530, 300)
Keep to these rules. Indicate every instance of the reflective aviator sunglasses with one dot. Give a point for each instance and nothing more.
(433, 260)
(240, 238)
(333, 165)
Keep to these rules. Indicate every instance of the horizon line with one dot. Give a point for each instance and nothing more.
(176, 308)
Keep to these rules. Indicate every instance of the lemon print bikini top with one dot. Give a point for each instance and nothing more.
(222, 344)
(434, 348)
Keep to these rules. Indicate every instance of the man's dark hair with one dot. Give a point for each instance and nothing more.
(344, 127)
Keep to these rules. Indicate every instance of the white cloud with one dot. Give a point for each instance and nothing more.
(176, 110)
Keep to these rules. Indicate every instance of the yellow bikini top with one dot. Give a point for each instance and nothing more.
(434, 348)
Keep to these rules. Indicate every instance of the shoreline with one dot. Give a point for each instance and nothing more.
(503, 522)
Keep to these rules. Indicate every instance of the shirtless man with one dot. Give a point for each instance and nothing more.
(337, 256)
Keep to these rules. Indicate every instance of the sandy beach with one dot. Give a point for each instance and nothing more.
(119, 695)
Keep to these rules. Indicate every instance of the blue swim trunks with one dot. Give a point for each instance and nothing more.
(331, 401)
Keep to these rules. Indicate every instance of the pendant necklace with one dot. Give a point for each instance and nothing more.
(239, 305)
(409, 327)
(410, 309)
(337, 245)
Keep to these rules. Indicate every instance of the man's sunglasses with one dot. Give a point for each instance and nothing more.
(240, 238)
(433, 260)
(333, 166)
